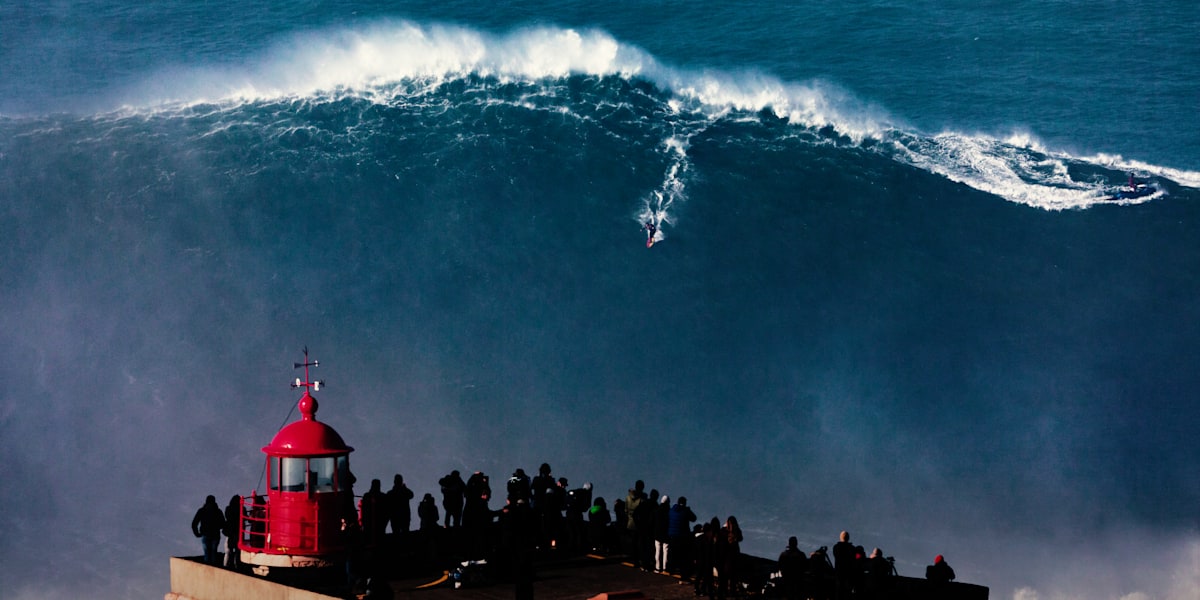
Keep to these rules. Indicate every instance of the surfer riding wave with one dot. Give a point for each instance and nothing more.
(651, 232)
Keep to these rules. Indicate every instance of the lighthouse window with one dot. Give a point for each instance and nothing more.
(323, 471)
(344, 478)
(273, 468)
(293, 474)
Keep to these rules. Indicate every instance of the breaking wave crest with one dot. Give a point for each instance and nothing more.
(393, 62)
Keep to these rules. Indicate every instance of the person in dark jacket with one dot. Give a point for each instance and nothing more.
(399, 509)
(428, 536)
(477, 516)
(541, 488)
(598, 520)
(729, 557)
(680, 519)
(679, 536)
(518, 528)
(453, 488)
(553, 529)
(479, 491)
(547, 505)
(233, 531)
(705, 551)
(352, 541)
(821, 581)
(642, 516)
(844, 565)
(880, 570)
(579, 502)
(207, 525)
(793, 569)
(939, 571)
(373, 516)
(427, 513)
(518, 486)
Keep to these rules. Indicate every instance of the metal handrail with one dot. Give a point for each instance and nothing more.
(256, 521)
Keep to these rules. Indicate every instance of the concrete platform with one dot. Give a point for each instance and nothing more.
(579, 577)
(584, 577)
(576, 579)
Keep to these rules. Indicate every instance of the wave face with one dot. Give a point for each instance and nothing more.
(947, 342)
(398, 63)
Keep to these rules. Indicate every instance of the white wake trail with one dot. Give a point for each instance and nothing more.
(657, 205)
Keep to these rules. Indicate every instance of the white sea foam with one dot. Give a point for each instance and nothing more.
(1182, 177)
(323, 62)
(1016, 173)
(360, 60)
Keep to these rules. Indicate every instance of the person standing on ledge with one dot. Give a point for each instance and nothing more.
(793, 566)
(844, 565)
(399, 509)
(233, 531)
(207, 525)
(453, 489)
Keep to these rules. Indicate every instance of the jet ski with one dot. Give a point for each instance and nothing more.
(1140, 190)
(1133, 190)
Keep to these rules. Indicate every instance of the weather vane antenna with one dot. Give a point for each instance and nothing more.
(307, 383)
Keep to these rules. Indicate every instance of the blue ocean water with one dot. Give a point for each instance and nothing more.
(891, 293)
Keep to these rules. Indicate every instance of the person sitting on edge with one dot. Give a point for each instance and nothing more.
(939, 571)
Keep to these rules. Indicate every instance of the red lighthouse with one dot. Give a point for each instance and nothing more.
(309, 492)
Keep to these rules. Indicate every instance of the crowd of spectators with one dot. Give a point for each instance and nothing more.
(545, 514)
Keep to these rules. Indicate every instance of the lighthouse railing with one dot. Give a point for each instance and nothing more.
(304, 526)
(255, 526)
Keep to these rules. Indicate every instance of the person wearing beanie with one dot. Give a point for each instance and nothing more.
(939, 571)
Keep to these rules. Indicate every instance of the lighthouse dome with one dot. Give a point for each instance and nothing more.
(308, 436)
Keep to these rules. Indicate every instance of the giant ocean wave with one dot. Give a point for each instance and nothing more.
(402, 64)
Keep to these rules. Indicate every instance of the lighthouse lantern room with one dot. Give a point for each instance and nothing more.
(309, 493)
